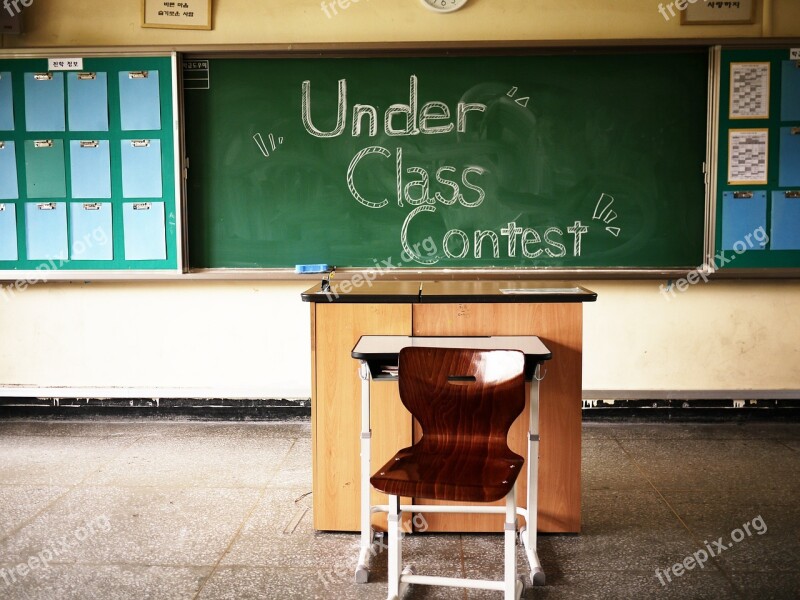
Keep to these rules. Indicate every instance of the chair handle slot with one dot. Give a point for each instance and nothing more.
(461, 379)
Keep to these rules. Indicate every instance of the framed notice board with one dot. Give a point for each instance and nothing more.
(551, 160)
(89, 166)
(758, 176)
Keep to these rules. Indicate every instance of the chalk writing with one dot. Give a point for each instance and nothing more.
(259, 140)
(426, 189)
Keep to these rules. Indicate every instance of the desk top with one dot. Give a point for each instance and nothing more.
(387, 347)
(446, 292)
(375, 292)
(443, 292)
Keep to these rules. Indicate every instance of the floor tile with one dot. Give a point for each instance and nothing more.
(168, 527)
(195, 462)
(253, 583)
(793, 444)
(295, 469)
(622, 530)
(43, 428)
(681, 464)
(631, 585)
(106, 582)
(755, 538)
(54, 461)
(151, 427)
(301, 549)
(258, 430)
(752, 498)
(605, 466)
(597, 431)
(767, 586)
(20, 502)
(706, 431)
(280, 511)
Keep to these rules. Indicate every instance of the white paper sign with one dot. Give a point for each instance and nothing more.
(794, 54)
(65, 64)
(748, 156)
(749, 91)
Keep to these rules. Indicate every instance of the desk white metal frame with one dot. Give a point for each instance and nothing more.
(380, 347)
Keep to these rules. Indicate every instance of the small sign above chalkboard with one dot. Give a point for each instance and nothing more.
(169, 14)
(717, 12)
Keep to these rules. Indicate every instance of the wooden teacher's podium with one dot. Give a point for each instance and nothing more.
(552, 311)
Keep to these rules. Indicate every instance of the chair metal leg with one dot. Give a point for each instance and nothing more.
(367, 534)
(510, 545)
(528, 532)
(394, 519)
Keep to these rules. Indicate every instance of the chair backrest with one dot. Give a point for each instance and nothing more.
(465, 398)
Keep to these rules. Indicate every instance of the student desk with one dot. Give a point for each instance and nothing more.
(552, 311)
(378, 356)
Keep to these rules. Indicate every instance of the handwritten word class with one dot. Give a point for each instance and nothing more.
(414, 183)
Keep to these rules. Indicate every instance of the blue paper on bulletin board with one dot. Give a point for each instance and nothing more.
(87, 101)
(145, 231)
(6, 102)
(790, 91)
(46, 230)
(790, 157)
(90, 166)
(785, 231)
(91, 231)
(8, 232)
(9, 189)
(741, 217)
(44, 168)
(141, 169)
(44, 101)
(140, 100)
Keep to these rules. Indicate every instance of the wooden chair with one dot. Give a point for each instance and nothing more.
(465, 402)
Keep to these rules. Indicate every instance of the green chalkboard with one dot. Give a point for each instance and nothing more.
(560, 160)
(71, 196)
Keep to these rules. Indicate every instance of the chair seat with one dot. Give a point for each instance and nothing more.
(452, 475)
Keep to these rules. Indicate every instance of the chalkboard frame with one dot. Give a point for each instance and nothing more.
(482, 49)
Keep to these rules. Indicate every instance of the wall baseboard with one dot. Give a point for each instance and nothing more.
(652, 408)
(171, 408)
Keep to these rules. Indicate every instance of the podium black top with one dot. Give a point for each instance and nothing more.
(445, 292)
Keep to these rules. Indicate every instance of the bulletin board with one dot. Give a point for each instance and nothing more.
(89, 165)
(758, 175)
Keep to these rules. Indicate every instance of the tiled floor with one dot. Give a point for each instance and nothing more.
(187, 510)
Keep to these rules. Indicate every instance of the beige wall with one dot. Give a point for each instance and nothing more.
(722, 335)
(252, 338)
(198, 339)
(104, 22)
